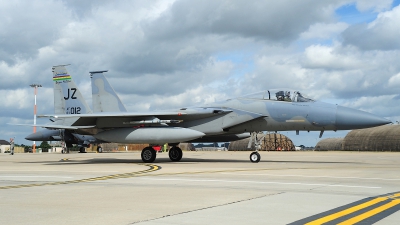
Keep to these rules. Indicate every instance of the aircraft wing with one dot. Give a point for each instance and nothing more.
(118, 119)
(182, 112)
(109, 114)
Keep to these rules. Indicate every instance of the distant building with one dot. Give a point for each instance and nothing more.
(4, 146)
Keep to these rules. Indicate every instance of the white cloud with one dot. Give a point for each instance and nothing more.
(394, 81)
(381, 34)
(16, 99)
(324, 30)
(319, 56)
(375, 5)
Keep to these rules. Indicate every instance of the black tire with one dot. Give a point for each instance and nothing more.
(148, 155)
(82, 150)
(255, 157)
(63, 151)
(175, 154)
(99, 149)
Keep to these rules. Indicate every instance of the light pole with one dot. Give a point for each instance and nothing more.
(35, 86)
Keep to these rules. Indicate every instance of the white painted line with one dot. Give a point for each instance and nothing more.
(69, 171)
(33, 177)
(258, 182)
(356, 178)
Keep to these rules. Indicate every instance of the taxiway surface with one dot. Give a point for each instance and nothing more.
(204, 188)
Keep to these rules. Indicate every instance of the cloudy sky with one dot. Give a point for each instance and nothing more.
(175, 53)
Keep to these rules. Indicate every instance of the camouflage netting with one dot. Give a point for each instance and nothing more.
(330, 144)
(383, 138)
(139, 147)
(271, 142)
(132, 147)
(187, 146)
(241, 145)
(108, 147)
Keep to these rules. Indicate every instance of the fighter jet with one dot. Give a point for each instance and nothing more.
(67, 100)
(269, 110)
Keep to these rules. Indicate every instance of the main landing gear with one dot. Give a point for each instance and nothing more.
(175, 154)
(149, 154)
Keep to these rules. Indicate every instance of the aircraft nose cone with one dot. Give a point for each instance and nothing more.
(348, 119)
(35, 136)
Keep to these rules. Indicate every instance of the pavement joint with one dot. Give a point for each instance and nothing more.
(209, 207)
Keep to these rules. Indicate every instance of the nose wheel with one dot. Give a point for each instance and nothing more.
(255, 157)
(148, 155)
(175, 154)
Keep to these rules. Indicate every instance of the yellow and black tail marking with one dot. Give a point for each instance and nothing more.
(366, 211)
(151, 168)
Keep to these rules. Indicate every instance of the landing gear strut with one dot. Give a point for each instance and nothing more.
(255, 156)
(64, 148)
(175, 154)
(148, 155)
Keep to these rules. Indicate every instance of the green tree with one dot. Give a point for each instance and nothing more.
(44, 145)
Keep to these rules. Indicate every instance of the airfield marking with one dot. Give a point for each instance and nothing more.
(257, 182)
(155, 167)
(33, 176)
(108, 177)
(288, 175)
(371, 213)
(368, 210)
(133, 174)
(78, 171)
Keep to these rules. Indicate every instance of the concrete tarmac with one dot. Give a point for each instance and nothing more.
(204, 188)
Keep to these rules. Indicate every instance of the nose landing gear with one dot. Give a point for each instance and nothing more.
(255, 157)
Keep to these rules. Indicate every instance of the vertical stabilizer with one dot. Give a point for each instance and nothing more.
(67, 97)
(104, 97)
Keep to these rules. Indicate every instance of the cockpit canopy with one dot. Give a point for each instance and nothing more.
(279, 95)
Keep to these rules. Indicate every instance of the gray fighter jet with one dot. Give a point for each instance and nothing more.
(269, 110)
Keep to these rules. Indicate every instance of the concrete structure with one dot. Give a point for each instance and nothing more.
(383, 138)
(4, 146)
(330, 144)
